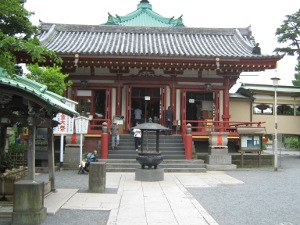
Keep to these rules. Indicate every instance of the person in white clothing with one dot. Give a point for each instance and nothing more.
(137, 133)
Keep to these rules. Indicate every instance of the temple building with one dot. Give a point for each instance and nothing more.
(149, 61)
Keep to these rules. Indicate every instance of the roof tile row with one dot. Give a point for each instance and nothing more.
(147, 41)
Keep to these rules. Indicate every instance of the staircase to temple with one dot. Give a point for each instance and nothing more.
(170, 146)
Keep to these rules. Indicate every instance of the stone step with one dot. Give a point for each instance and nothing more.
(166, 170)
(133, 152)
(130, 165)
(133, 161)
(6, 208)
(133, 156)
(150, 148)
(171, 147)
(184, 166)
(152, 145)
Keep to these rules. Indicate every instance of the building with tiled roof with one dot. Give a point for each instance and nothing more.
(255, 102)
(181, 43)
(146, 60)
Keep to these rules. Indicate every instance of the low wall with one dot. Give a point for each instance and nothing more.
(250, 160)
(9, 177)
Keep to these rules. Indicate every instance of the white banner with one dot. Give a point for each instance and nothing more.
(66, 125)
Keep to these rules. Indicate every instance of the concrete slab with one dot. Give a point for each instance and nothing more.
(221, 167)
(149, 174)
(55, 200)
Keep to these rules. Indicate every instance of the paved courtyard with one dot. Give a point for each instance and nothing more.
(257, 196)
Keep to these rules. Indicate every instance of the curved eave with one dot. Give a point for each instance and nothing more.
(54, 107)
(45, 100)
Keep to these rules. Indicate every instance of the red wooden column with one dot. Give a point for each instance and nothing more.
(163, 98)
(104, 140)
(188, 143)
(226, 115)
(119, 101)
(173, 96)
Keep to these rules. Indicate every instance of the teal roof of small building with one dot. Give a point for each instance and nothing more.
(144, 16)
(31, 87)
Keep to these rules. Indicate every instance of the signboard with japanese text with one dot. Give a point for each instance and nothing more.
(66, 123)
(81, 125)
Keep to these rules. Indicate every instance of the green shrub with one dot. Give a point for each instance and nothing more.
(16, 148)
(292, 142)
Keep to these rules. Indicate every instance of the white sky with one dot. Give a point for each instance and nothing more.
(264, 16)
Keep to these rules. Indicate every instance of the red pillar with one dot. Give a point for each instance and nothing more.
(188, 143)
(119, 101)
(173, 95)
(73, 139)
(226, 115)
(104, 141)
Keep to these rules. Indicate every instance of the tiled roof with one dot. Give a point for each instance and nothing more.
(148, 41)
(257, 88)
(144, 16)
(238, 96)
(56, 102)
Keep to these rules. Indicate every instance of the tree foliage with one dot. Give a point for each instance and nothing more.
(288, 34)
(49, 76)
(297, 75)
(17, 35)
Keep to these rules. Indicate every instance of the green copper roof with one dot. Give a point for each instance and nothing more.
(144, 16)
(23, 85)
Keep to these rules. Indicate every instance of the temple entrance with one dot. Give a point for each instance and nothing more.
(93, 104)
(149, 101)
(200, 105)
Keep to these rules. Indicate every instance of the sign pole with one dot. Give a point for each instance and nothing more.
(61, 160)
(65, 127)
(80, 157)
(81, 127)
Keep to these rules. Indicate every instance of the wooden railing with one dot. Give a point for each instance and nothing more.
(96, 125)
(204, 127)
(199, 127)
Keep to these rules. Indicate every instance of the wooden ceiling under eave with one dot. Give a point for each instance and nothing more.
(226, 66)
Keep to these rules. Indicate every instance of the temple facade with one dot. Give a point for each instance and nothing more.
(145, 60)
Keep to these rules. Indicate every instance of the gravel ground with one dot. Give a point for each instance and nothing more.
(266, 198)
(67, 179)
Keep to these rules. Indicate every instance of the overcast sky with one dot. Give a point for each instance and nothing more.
(264, 16)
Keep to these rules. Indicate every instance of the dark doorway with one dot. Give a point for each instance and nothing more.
(94, 105)
(100, 103)
(199, 105)
(148, 99)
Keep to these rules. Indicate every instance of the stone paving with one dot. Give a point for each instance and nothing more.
(149, 203)
(245, 196)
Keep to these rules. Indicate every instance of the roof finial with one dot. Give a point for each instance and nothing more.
(256, 49)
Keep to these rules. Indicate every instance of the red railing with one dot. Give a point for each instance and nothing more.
(96, 125)
(204, 127)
